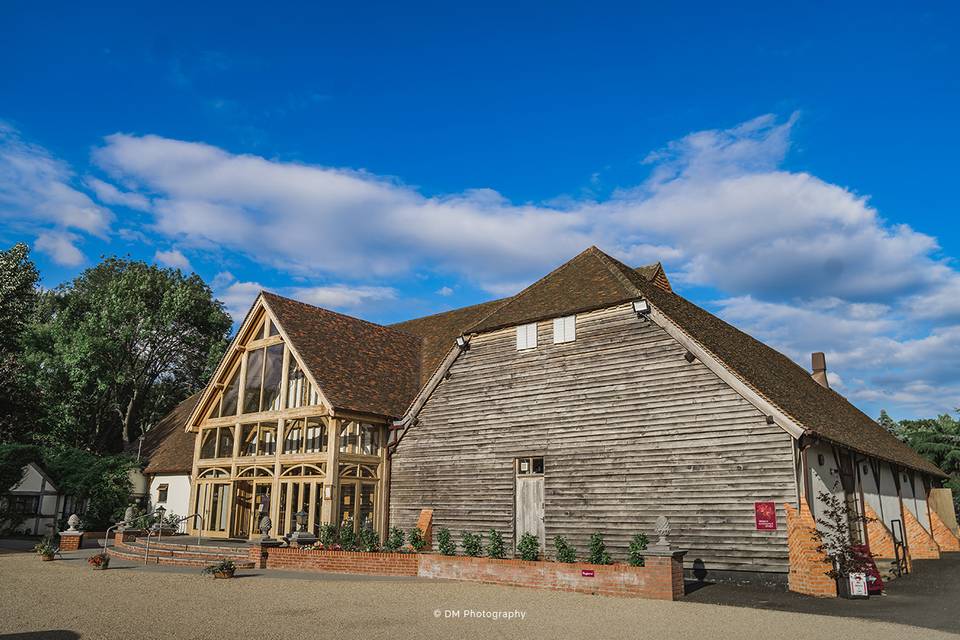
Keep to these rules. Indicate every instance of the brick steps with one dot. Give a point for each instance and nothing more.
(135, 553)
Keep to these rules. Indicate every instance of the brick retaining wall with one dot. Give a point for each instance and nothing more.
(380, 564)
(660, 579)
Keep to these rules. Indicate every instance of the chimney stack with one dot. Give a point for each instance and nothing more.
(820, 369)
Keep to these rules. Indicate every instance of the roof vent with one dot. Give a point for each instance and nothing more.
(820, 369)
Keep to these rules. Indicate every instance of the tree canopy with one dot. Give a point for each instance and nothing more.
(936, 439)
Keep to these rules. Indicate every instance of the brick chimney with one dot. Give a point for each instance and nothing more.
(820, 369)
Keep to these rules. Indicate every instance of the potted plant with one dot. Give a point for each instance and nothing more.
(45, 549)
(99, 561)
(835, 535)
(223, 569)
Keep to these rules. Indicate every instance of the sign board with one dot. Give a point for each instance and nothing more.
(858, 585)
(586, 573)
(765, 515)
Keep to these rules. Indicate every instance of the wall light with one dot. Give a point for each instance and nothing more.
(641, 307)
(463, 343)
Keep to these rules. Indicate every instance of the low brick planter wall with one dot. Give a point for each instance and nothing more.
(660, 579)
(378, 564)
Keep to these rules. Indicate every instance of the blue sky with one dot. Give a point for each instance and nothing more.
(793, 167)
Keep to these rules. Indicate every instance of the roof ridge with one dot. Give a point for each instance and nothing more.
(589, 250)
(331, 311)
(393, 325)
(613, 265)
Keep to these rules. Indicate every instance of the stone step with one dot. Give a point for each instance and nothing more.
(211, 554)
(132, 556)
(174, 546)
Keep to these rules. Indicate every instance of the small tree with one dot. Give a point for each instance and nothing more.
(495, 547)
(369, 540)
(472, 544)
(835, 537)
(637, 546)
(348, 538)
(327, 535)
(445, 542)
(395, 539)
(417, 541)
(529, 547)
(598, 550)
(565, 553)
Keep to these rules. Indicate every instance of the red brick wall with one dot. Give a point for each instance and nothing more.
(881, 540)
(921, 544)
(380, 564)
(808, 566)
(70, 541)
(660, 579)
(942, 535)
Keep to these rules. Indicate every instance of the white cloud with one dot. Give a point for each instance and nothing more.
(173, 258)
(444, 291)
(110, 194)
(38, 192)
(61, 247)
(804, 263)
(237, 296)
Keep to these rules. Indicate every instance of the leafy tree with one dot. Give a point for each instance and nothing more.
(936, 439)
(598, 550)
(637, 546)
(495, 546)
(529, 547)
(888, 423)
(835, 539)
(119, 346)
(565, 553)
(445, 543)
(18, 298)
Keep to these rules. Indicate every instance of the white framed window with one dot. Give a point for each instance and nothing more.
(564, 329)
(527, 336)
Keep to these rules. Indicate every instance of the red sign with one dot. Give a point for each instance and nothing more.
(765, 514)
(586, 573)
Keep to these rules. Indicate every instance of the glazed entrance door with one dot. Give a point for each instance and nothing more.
(242, 508)
(296, 496)
(213, 503)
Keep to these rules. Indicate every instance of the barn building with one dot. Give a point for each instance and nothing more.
(596, 399)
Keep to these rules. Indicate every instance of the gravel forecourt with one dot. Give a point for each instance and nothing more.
(40, 598)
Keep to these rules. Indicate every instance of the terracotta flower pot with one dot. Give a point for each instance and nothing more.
(226, 573)
(46, 557)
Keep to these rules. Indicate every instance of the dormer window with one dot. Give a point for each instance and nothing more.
(564, 329)
(527, 336)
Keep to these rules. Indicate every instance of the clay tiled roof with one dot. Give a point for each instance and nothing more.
(167, 447)
(439, 331)
(360, 366)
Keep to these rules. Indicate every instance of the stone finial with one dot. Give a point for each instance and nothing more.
(662, 528)
(73, 521)
(265, 525)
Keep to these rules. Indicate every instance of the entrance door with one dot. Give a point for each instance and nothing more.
(529, 506)
(213, 504)
(242, 508)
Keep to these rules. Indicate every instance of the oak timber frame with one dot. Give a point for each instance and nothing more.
(338, 474)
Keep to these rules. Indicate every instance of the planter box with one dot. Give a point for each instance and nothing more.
(660, 579)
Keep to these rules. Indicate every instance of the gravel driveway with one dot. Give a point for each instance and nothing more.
(134, 602)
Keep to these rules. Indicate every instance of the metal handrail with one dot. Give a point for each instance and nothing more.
(106, 536)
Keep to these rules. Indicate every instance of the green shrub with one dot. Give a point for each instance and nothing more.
(472, 544)
(328, 535)
(598, 550)
(565, 553)
(348, 538)
(395, 539)
(495, 547)
(369, 539)
(417, 541)
(637, 547)
(445, 542)
(529, 547)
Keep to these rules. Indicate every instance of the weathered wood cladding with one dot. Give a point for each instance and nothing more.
(629, 430)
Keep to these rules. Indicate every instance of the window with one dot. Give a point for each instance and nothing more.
(305, 436)
(264, 371)
(300, 393)
(527, 336)
(162, 491)
(360, 437)
(259, 439)
(25, 505)
(216, 442)
(564, 329)
(529, 466)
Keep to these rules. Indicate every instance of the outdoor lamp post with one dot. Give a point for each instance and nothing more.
(159, 523)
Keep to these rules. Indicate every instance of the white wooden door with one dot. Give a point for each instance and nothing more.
(529, 508)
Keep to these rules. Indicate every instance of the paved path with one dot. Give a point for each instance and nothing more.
(66, 599)
(929, 597)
